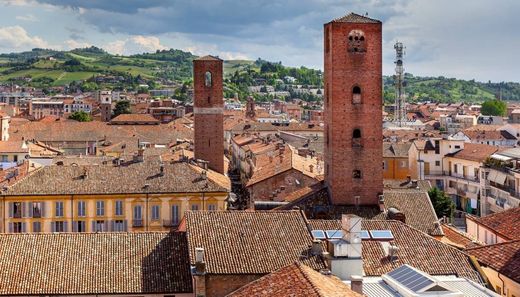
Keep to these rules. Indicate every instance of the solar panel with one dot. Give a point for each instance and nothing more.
(334, 234)
(381, 234)
(410, 278)
(364, 234)
(318, 234)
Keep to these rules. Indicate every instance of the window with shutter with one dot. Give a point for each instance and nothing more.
(175, 214)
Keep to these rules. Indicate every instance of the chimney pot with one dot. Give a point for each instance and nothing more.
(316, 247)
(356, 284)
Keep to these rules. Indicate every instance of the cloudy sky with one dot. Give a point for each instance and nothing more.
(477, 39)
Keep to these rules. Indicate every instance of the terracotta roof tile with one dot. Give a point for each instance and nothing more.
(13, 146)
(249, 242)
(142, 177)
(417, 208)
(396, 150)
(355, 18)
(502, 257)
(416, 249)
(457, 238)
(474, 152)
(296, 280)
(94, 263)
(505, 222)
(134, 118)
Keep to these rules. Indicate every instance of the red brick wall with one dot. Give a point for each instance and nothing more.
(209, 123)
(223, 284)
(343, 71)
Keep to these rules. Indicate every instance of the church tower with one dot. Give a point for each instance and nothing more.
(353, 110)
(208, 109)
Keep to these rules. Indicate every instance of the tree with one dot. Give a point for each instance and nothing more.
(80, 116)
(494, 108)
(442, 204)
(122, 107)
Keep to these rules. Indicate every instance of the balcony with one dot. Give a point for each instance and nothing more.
(137, 223)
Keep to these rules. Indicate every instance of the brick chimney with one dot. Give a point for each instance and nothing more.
(356, 284)
(199, 273)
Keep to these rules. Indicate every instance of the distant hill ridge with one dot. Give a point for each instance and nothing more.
(48, 68)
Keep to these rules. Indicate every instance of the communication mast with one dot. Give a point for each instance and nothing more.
(400, 98)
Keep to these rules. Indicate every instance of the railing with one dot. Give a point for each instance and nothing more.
(137, 223)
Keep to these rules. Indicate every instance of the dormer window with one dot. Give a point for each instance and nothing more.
(356, 95)
(356, 42)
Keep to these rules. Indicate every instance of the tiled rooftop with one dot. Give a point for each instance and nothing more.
(474, 152)
(502, 257)
(355, 18)
(296, 280)
(246, 242)
(505, 223)
(94, 263)
(144, 177)
(416, 249)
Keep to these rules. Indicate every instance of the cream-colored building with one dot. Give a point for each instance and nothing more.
(134, 196)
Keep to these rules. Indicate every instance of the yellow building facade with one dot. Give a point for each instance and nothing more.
(395, 160)
(160, 206)
(103, 213)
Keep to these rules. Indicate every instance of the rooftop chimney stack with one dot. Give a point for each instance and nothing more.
(356, 284)
(199, 273)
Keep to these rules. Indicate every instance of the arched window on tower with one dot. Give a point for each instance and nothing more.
(356, 174)
(356, 42)
(207, 79)
(356, 95)
(356, 138)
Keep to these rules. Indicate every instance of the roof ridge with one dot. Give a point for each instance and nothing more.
(308, 279)
(494, 244)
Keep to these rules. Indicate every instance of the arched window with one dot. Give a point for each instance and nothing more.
(356, 95)
(356, 173)
(207, 78)
(356, 42)
(356, 138)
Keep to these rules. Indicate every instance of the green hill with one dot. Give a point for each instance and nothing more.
(82, 68)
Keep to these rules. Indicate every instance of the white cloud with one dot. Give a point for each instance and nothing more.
(116, 47)
(73, 44)
(148, 43)
(135, 44)
(18, 2)
(27, 18)
(16, 38)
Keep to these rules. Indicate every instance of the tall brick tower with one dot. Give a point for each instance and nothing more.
(208, 109)
(353, 110)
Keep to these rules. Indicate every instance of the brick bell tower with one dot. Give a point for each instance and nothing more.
(208, 110)
(353, 110)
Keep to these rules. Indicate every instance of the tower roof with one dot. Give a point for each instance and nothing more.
(355, 18)
(208, 58)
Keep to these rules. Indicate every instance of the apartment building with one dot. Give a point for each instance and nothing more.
(41, 108)
(462, 175)
(501, 181)
(133, 196)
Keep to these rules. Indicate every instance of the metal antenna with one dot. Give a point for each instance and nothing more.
(400, 97)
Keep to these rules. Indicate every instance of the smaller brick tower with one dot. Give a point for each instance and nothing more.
(208, 109)
(105, 105)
